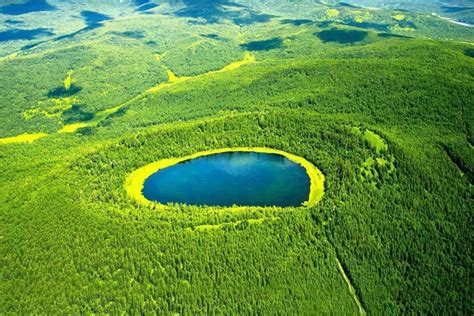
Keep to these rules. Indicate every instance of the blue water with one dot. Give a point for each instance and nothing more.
(238, 178)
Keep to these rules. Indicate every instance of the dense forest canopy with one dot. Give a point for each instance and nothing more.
(377, 95)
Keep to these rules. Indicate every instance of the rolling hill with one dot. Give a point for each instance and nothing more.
(377, 97)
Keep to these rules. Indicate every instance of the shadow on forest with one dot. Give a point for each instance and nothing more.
(18, 34)
(76, 114)
(407, 24)
(460, 163)
(94, 19)
(130, 34)
(71, 35)
(144, 5)
(30, 46)
(13, 22)
(368, 25)
(324, 24)
(469, 52)
(212, 36)
(252, 17)
(109, 119)
(214, 10)
(391, 35)
(454, 9)
(347, 5)
(27, 7)
(342, 36)
(61, 92)
(263, 45)
(296, 22)
(151, 43)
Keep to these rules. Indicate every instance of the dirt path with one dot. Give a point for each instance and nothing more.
(351, 288)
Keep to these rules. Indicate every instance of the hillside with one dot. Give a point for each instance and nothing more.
(379, 100)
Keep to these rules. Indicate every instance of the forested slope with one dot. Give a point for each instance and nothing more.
(387, 118)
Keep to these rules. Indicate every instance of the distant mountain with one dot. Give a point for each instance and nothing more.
(25, 24)
(461, 10)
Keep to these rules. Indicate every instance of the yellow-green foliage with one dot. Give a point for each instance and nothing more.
(173, 79)
(356, 131)
(373, 169)
(379, 164)
(65, 103)
(332, 13)
(9, 57)
(381, 161)
(72, 128)
(397, 28)
(24, 138)
(375, 141)
(135, 181)
(68, 80)
(399, 17)
(31, 113)
(368, 169)
(361, 16)
(248, 58)
(50, 108)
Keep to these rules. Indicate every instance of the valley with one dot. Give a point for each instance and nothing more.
(333, 142)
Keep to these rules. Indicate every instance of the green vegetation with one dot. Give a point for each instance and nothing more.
(381, 105)
(375, 141)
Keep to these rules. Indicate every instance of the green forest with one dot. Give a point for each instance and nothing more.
(378, 98)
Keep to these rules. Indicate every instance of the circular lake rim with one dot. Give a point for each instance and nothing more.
(136, 180)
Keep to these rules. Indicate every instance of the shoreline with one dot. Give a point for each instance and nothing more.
(134, 182)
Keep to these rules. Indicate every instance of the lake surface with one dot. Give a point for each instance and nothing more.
(240, 178)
